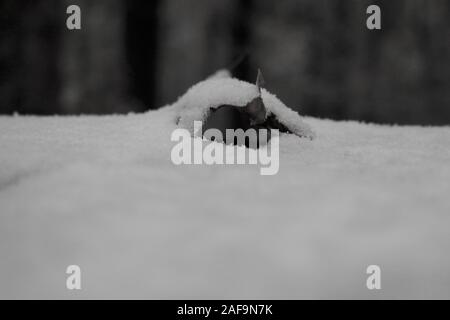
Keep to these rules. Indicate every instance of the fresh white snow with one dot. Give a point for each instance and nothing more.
(101, 192)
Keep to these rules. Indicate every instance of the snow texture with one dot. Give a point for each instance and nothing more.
(221, 89)
(101, 192)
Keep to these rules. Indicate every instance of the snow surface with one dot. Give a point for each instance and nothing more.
(102, 193)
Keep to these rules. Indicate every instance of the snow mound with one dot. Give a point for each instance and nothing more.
(102, 193)
(221, 89)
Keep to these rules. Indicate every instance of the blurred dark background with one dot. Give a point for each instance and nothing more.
(316, 55)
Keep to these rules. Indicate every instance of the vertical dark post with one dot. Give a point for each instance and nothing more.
(241, 35)
(339, 50)
(10, 32)
(141, 47)
(30, 47)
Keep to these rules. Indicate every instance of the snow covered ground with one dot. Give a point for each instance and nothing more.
(102, 193)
